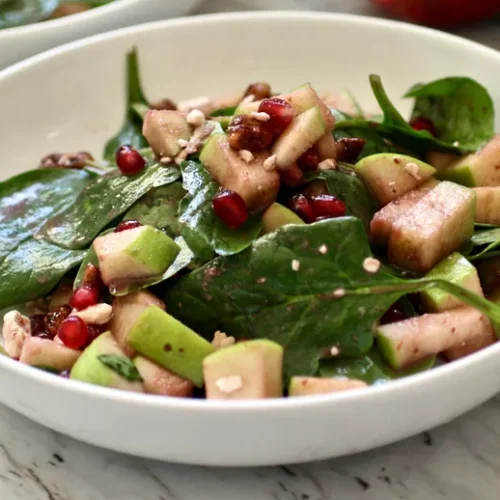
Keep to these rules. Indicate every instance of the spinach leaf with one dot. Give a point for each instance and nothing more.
(121, 365)
(371, 368)
(29, 199)
(33, 269)
(131, 132)
(100, 203)
(349, 188)
(460, 108)
(203, 231)
(19, 12)
(159, 207)
(483, 244)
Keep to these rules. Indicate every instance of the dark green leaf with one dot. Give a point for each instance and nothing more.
(349, 188)
(131, 132)
(29, 199)
(18, 12)
(159, 208)
(460, 108)
(202, 229)
(33, 269)
(121, 365)
(483, 244)
(100, 203)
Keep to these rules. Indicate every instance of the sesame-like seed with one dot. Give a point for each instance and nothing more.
(229, 384)
(295, 264)
(246, 155)
(260, 116)
(270, 163)
(334, 351)
(338, 293)
(196, 118)
(182, 143)
(328, 164)
(413, 170)
(371, 265)
(323, 249)
(166, 160)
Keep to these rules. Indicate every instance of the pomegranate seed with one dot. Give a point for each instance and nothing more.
(129, 160)
(280, 112)
(73, 332)
(230, 208)
(292, 176)
(37, 322)
(309, 160)
(126, 225)
(327, 206)
(84, 297)
(301, 206)
(393, 315)
(422, 123)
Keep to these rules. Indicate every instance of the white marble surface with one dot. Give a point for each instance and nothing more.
(458, 461)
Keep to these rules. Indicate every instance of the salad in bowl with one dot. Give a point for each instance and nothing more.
(260, 245)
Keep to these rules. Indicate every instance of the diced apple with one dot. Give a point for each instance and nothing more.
(46, 353)
(488, 204)
(308, 386)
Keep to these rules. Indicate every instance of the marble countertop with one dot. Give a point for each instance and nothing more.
(457, 461)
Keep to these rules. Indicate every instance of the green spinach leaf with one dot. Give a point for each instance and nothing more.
(18, 12)
(201, 228)
(121, 365)
(483, 244)
(33, 269)
(229, 111)
(131, 132)
(100, 203)
(460, 108)
(29, 199)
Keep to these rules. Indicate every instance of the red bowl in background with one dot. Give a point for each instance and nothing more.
(442, 13)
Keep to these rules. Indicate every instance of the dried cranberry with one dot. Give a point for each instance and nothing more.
(292, 176)
(84, 297)
(230, 208)
(281, 114)
(326, 205)
(54, 319)
(129, 160)
(37, 322)
(301, 206)
(309, 160)
(349, 148)
(393, 315)
(246, 132)
(260, 90)
(421, 123)
(126, 225)
(73, 332)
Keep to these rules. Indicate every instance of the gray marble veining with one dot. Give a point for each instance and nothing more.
(457, 461)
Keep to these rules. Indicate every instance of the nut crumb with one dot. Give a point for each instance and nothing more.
(222, 340)
(334, 351)
(182, 143)
(270, 163)
(295, 264)
(246, 155)
(371, 265)
(323, 249)
(166, 160)
(339, 293)
(16, 329)
(229, 384)
(413, 170)
(196, 118)
(261, 116)
(328, 164)
(99, 314)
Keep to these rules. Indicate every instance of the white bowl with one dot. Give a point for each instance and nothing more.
(84, 104)
(25, 41)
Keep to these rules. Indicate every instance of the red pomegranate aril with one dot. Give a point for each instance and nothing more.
(292, 176)
(422, 123)
(126, 225)
(393, 315)
(73, 332)
(37, 322)
(84, 297)
(129, 160)
(327, 206)
(280, 112)
(302, 207)
(309, 160)
(230, 208)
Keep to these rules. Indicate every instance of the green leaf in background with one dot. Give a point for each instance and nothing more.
(483, 244)
(100, 203)
(460, 108)
(159, 208)
(29, 199)
(351, 190)
(33, 269)
(121, 365)
(224, 111)
(203, 231)
(131, 132)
